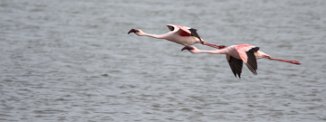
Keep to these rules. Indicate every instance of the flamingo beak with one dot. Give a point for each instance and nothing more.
(187, 48)
(133, 31)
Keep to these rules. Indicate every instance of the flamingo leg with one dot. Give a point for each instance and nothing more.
(283, 60)
(214, 45)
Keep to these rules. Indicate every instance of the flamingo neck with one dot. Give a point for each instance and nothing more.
(284, 60)
(222, 51)
(157, 36)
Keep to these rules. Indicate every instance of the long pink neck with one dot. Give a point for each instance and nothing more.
(284, 60)
(161, 36)
(222, 51)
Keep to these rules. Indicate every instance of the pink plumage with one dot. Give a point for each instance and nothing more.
(239, 54)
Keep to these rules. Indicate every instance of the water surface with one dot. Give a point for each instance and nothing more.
(72, 60)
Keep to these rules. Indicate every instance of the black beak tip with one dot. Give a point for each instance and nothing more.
(132, 31)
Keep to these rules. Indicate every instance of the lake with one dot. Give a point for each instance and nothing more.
(72, 60)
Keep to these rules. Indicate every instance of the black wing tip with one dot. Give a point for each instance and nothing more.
(236, 66)
(193, 29)
(254, 49)
(252, 69)
(255, 72)
(252, 60)
(195, 34)
(237, 76)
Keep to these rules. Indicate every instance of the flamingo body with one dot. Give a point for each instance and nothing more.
(179, 34)
(236, 55)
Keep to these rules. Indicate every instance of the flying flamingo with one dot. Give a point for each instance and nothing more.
(179, 34)
(237, 54)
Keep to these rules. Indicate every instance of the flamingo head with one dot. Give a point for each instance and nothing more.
(171, 27)
(136, 31)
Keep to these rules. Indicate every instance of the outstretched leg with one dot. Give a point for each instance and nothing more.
(213, 45)
(283, 60)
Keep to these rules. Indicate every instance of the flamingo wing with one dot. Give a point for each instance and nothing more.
(235, 65)
(180, 30)
(247, 55)
(183, 30)
(252, 61)
(194, 33)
